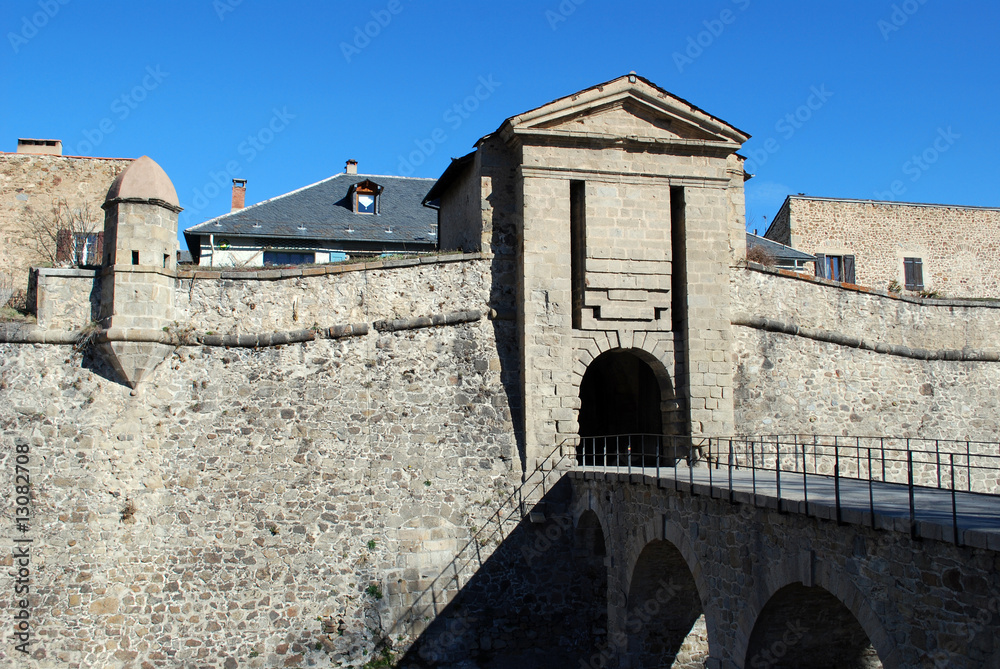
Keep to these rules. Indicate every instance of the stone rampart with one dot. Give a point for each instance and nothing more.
(871, 315)
(290, 299)
(809, 384)
(210, 516)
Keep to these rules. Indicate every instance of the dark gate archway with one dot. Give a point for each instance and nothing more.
(624, 395)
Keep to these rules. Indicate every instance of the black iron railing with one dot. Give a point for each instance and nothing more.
(918, 464)
(638, 450)
(432, 600)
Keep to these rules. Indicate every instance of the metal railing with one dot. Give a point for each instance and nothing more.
(457, 573)
(947, 465)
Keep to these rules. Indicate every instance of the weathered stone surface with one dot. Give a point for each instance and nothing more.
(35, 186)
(786, 384)
(270, 487)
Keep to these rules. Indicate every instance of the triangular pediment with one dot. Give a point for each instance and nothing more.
(629, 118)
(628, 107)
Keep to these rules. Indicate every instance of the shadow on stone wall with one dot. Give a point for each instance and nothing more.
(537, 601)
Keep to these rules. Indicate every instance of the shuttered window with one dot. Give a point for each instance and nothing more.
(836, 268)
(913, 273)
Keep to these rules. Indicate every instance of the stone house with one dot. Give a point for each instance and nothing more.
(948, 250)
(39, 183)
(346, 215)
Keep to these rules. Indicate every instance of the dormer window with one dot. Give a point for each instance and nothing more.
(365, 196)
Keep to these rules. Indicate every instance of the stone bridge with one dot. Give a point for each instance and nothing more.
(647, 568)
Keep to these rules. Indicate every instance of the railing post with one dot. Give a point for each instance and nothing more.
(909, 474)
(777, 468)
(805, 476)
(836, 479)
(954, 507)
(968, 465)
(676, 486)
(730, 471)
(659, 447)
(691, 467)
(629, 448)
(871, 494)
(937, 452)
(795, 451)
(753, 471)
(710, 482)
(882, 443)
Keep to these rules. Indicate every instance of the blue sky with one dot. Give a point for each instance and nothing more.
(889, 100)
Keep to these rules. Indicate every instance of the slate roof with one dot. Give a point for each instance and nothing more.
(325, 211)
(776, 250)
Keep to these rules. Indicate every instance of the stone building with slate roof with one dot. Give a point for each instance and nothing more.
(347, 215)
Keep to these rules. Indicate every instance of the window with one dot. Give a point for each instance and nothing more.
(289, 258)
(365, 197)
(913, 273)
(836, 268)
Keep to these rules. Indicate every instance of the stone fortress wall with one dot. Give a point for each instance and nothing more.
(320, 442)
(210, 516)
(861, 363)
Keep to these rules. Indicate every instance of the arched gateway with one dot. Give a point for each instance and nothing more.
(627, 400)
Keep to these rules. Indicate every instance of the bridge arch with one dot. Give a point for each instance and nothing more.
(785, 606)
(664, 623)
(590, 550)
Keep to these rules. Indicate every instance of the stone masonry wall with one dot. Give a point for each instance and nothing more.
(211, 516)
(34, 185)
(958, 245)
(872, 315)
(788, 384)
(64, 298)
(628, 234)
(277, 300)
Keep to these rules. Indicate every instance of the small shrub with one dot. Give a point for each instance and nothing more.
(128, 512)
(931, 294)
(759, 255)
(371, 544)
(894, 287)
(383, 660)
(87, 337)
(374, 591)
(6, 289)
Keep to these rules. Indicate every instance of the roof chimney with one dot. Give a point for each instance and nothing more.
(352, 166)
(239, 193)
(51, 147)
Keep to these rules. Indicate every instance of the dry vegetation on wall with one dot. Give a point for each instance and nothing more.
(43, 228)
(6, 288)
(12, 299)
(759, 255)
